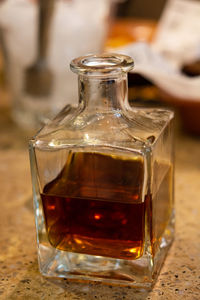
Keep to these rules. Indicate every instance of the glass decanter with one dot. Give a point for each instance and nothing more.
(102, 178)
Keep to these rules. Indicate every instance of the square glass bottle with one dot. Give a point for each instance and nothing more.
(102, 178)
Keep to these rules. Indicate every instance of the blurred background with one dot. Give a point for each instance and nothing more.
(39, 38)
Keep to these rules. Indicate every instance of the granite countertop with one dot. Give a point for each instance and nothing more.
(19, 275)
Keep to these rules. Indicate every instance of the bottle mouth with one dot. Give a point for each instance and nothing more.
(102, 64)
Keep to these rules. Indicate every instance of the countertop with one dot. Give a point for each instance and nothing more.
(19, 275)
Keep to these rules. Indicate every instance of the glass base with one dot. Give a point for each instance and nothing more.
(139, 273)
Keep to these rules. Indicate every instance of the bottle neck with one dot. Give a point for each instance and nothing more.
(101, 94)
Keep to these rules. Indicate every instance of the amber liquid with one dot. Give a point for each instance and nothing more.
(94, 206)
(161, 203)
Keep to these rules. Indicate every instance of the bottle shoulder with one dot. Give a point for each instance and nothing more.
(137, 128)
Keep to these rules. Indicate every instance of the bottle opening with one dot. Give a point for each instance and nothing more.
(102, 64)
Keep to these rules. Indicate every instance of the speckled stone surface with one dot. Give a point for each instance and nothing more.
(19, 275)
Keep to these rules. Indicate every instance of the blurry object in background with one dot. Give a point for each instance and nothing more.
(78, 27)
(178, 40)
(143, 9)
(174, 88)
(38, 78)
(191, 69)
(157, 69)
(189, 111)
(142, 92)
(178, 33)
(159, 64)
(126, 31)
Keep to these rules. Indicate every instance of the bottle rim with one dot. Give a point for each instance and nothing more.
(102, 64)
